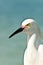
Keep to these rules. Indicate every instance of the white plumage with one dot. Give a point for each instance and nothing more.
(33, 54)
(30, 52)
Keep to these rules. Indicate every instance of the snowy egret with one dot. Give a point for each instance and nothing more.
(33, 54)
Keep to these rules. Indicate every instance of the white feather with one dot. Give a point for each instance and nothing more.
(33, 56)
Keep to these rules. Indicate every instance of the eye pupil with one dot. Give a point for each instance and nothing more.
(28, 24)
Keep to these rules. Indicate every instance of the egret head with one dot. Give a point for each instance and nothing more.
(29, 26)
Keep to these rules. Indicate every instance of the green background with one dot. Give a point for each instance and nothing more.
(12, 13)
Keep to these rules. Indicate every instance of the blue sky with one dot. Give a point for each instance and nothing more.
(12, 13)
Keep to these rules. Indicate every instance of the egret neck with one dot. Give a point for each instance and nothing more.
(31, 52)
(32, 41)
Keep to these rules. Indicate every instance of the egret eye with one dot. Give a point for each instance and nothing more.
(28, 25)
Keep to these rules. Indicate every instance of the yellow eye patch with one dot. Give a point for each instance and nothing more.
(28, 25)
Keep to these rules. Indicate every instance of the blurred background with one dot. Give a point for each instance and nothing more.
(12, 13)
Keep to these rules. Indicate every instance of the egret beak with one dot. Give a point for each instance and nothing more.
(17, 31)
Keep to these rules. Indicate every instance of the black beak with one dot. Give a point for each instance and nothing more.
(17, 31)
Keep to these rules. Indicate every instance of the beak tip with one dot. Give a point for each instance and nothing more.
(9, 37)
(17, 31)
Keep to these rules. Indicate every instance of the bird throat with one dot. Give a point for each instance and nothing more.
(32, 41)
